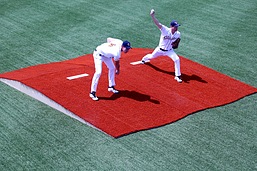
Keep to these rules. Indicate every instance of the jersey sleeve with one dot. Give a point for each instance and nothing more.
(164, 30)
(117, 49)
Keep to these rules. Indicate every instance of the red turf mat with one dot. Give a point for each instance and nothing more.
(149, 96)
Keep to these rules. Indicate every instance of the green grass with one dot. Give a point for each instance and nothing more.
(219, 34)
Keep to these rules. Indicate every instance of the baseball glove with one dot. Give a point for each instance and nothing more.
(175, 43)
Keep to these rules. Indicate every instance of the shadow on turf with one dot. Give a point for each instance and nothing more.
(132, 95)
(186, 78)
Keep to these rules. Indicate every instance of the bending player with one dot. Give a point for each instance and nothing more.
(104, 53)
(169, 40)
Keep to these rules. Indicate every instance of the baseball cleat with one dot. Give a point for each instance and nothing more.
(178, 79)
(112, 89)
(143, 61)
(93, 96)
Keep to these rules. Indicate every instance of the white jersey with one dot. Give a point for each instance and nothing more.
(111, 49)
(167, 38)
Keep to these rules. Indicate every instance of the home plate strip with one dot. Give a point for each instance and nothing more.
(77, 76)
(138, 62)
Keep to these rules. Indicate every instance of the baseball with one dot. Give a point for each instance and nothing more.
(152, 11)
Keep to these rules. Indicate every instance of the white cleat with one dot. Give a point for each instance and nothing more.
(93, 96)
(143, 61)
(112, 89)
(178, 79)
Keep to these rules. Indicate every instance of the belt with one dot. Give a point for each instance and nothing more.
(163, 50)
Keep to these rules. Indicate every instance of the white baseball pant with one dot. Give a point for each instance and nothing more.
(98, 70)
(157, 52)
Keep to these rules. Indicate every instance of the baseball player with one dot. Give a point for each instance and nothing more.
(107, 52)
(169, 40)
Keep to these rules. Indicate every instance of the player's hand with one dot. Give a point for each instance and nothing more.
(152, 12)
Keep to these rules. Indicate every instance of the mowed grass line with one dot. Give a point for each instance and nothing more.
(33, 136)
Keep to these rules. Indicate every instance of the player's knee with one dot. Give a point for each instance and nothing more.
(176, 59)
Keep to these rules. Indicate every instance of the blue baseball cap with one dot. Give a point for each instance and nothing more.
(174, 23)
(126, 44)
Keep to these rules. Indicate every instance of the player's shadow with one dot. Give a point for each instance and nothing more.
(186, 78)
(132, 95)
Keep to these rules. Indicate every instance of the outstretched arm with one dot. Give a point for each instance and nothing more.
(156, 22)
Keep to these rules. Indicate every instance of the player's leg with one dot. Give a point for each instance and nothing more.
(157, 52)
(111, 74)
(97, 74)
(176, 60)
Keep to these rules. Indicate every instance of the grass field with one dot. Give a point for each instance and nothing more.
(218, 34)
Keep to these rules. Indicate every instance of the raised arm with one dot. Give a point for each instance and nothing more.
(156, 22)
